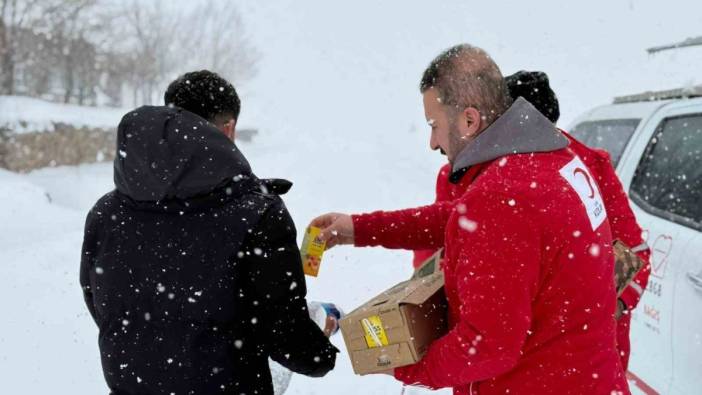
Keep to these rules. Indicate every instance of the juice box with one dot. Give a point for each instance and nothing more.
(312, 250)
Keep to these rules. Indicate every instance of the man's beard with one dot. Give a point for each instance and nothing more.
(456, 143)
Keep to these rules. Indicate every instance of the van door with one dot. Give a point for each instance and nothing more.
(687, 324)
(661, 175)
(680, 170)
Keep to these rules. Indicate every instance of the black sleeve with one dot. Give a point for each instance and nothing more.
(275, 271)
(87, 258)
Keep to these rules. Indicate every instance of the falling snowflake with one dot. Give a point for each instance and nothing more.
(467, 224)
(594, 250)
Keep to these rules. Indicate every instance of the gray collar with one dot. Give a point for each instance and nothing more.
(521, 129)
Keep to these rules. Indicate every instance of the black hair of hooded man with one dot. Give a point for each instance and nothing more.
(190, 267)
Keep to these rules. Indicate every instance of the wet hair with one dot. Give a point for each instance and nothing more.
(466, 76)
(204, 93)
(535, 88)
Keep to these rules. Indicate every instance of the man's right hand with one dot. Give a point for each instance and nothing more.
(336, 228)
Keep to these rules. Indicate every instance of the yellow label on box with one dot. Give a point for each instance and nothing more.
(312, 250)
(375, 334)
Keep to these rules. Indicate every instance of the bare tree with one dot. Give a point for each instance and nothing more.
(15, 16)
(73, 50)
(217, 41)
(69, 24)
(148, 46)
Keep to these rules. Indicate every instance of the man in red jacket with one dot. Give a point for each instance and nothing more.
(528, 260)
(535, 88)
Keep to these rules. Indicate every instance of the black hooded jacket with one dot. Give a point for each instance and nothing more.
(190, 267)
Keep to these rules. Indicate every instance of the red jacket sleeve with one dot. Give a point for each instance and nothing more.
(443, 193)
(409, 229)
(623, 224)
(496, 267)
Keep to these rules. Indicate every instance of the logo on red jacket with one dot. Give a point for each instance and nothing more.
(579, 178)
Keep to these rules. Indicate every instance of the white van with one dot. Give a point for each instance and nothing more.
(655, 140)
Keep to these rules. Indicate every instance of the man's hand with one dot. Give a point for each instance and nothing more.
(330, 326)
(336, 228)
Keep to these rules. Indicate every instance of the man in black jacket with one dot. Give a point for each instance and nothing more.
(190, 267)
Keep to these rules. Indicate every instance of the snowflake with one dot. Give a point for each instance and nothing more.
(467, 224)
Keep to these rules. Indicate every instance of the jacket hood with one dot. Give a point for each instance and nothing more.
(521, 129)
(170, 153)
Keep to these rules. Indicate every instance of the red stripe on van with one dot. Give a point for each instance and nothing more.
(640, 384)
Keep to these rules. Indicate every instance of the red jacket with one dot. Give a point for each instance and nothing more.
(621, 219)
(624, 227)
(528, 268)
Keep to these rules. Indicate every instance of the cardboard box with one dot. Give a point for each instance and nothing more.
(396, 327)
(626, 266)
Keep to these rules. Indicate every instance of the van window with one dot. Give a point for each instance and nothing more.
(612, 135)
(668, 180)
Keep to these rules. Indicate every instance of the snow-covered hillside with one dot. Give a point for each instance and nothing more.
(25, 114)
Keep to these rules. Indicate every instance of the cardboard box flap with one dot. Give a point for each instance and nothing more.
(430, 266)
(393, 296)
(424, 288)
(395, 293)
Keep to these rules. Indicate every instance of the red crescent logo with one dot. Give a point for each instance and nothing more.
(579, 170)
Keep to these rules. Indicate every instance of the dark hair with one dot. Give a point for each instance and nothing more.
(466, 76)
(535, 88)
(204, 93)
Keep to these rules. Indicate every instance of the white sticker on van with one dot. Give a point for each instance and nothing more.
(582, 182)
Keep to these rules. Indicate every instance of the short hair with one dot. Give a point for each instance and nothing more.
(535, 88)
(466, 76)
(204, 93)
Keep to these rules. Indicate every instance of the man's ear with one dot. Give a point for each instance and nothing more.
(229, 129)
(472, 122)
